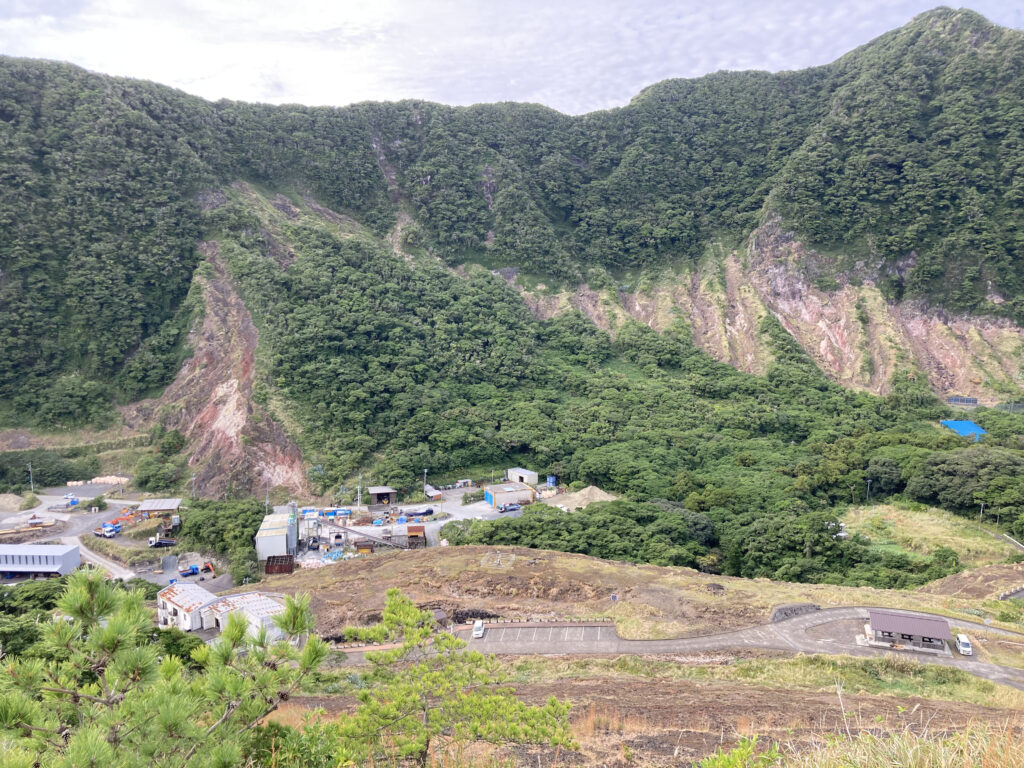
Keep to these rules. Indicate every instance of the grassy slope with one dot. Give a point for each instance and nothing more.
(916, 531)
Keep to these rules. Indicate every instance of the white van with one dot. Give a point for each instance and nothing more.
(963, 646)
(478, 628)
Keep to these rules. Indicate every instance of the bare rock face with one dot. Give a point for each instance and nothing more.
(234, 445)
(852, 333)
(861, 340)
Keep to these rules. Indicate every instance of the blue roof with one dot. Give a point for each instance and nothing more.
(965, 428)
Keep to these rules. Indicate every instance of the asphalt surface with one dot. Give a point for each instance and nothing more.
(79, 523)
(790, 635)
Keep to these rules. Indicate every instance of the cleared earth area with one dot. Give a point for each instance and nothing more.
(652, 602)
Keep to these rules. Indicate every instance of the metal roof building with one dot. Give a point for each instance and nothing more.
(38, 559)
(180, 605)
(160, 505)
(382, 494)
(964, 428)
(257, 608)
(903, 629)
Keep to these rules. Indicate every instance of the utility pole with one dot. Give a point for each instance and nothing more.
(31, 480)
(869, 490)
(266, 502)
(120, 482)
(424, 480)
(359, 492)
(193, 486)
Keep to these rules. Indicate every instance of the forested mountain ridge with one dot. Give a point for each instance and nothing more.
(900, 165)
(306, 294)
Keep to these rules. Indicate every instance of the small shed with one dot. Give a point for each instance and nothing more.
(964, 428)
(508, 493)
(432, 493)
(520, 475)
(364, 547)
(280, 564)
(903, 629)
(382, 495)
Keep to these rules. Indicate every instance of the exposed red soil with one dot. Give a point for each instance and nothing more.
(234, 446)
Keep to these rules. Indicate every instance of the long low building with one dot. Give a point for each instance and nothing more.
(929, 632)
(189, 607)
(38, 560)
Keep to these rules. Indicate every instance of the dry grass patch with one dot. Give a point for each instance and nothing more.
(922, 531)
(973, 748)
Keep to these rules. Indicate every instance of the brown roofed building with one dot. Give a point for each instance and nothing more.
(903, 629)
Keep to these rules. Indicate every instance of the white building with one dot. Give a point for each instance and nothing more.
(278, 535)
(189, 607)
(34, 560)
(258, 609)
(520, 475)
(180, 605)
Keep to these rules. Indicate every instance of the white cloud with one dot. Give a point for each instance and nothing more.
(572, 55)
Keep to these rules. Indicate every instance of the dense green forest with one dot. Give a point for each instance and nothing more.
(396, 365)
(906, 154)
(903, 160)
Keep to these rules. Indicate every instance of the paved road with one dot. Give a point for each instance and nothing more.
(789, 635)
(113, 570)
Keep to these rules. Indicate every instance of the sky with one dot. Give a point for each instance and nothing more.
(573, 55)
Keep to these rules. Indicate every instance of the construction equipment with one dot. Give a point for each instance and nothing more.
(208, 568)
(159, 541)
(192, 570)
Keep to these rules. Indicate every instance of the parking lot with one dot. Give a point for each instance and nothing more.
(558, 637)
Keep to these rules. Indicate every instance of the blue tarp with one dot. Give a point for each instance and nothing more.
(965, 428)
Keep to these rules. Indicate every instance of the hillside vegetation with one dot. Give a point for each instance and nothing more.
(906, 153)
(361, 242)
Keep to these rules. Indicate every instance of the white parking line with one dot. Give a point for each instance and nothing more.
(550, 631)
(517, 632)
(583, 631)
(565, 636)
(599, 632)
(502, 634)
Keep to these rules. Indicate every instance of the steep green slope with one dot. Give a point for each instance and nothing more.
(906, 155)
(393, 363)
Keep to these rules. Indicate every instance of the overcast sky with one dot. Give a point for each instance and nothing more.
(575, 56)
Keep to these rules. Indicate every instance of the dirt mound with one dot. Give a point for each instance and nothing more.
(9, 503)
(580, 499)
(989, 581)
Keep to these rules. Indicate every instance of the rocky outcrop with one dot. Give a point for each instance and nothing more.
(234, 445)
(861, 340)
(852, 333)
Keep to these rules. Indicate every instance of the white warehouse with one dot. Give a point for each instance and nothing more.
(278, 535)
(180, 605)
(35, 560)
(189, 607)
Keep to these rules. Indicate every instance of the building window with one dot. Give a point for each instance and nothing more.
(906, 637)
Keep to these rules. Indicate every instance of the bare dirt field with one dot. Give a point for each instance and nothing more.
(988, 581)
(620, 722)
(509, 582)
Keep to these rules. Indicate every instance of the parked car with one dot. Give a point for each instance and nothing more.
(511, 508)
(478, 628)
(963, 646)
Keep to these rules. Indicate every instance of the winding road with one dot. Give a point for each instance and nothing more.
(793, 635)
